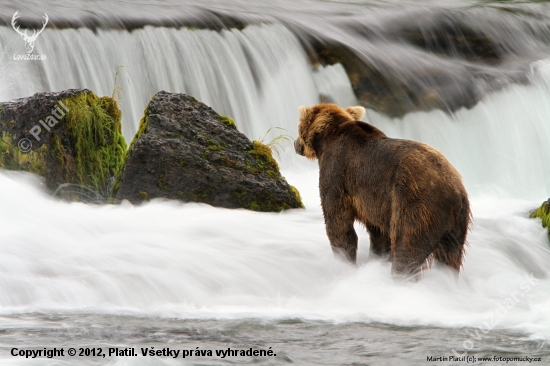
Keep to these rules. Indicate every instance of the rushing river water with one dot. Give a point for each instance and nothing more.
(182, 276)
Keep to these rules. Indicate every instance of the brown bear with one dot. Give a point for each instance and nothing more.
(409, 197)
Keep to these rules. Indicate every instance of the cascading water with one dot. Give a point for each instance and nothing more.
(256, 82)
(188, 275)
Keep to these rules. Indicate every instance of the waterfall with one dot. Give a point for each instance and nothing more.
(258, 76)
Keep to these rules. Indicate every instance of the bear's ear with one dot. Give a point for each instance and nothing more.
(303, 111)
(357, 112)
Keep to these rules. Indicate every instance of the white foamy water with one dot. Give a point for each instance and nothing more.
(195, 261)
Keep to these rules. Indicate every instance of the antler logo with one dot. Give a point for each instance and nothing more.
(29, 40)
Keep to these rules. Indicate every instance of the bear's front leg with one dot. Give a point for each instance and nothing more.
(339, 221)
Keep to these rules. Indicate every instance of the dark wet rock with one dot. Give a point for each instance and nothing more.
(388, 82)
(68, 137)
(196, 19)
(396, 94)
(453, 39)
(184, 150)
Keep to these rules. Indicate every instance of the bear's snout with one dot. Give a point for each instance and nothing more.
(299, 146)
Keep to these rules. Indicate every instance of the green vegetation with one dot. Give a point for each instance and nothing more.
(225, 161)
(297, 194)
(215, 148)
(255, 202)
(543, 213)
(118, 90)
(228, 122)
(266, 164)
(265, 161)
(85, 147)
(263, 152)
(143, 123)
(92, 128)
(276, 143)
(12, 158)
(143, 196)
(262, 202)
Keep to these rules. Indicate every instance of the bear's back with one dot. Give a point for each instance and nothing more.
(416, 169)
(392, 171)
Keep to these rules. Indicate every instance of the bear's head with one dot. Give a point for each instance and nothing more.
(314, 121)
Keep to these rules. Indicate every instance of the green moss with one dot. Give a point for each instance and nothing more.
(143, 123)
(263, 152)
(251, 168)
(273, 174)
(255, 202)
(228, 122)
(543, 213)
(11, 157)
(265, 161)
(266, 164)
(297, 194)
(213, 148)
(225, 161)
(85, 147)
(92, 130)
(210, 148)
(254, 206)
(58, 152)
(116, 186)
(143, 196)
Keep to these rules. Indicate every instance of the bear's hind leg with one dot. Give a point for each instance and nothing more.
(409, 257)
(451, 250)
(380, 242)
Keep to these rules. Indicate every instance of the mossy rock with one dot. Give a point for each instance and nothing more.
(543, 213)
(186, 151)
(72, 136)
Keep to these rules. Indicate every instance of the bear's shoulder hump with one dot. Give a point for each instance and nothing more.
(364, 130)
